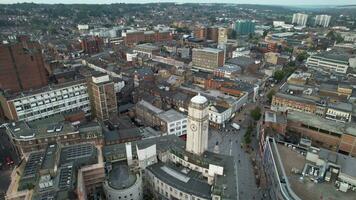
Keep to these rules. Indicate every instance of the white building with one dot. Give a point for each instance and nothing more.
(300, 19)
(175, 122)
(198, 123)
(219, 115)
(49, 101)
(329, 62)
(278, 23)
(322, 20)
(339, 112)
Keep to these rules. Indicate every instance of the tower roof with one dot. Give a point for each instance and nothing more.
(199, 99)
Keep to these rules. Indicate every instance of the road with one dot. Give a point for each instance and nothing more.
(6, 150)
(229, 143)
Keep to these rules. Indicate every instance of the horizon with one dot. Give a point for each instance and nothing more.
(242, 2)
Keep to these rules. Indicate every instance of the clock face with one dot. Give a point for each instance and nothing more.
(193, 127)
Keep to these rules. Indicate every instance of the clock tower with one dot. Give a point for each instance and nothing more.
(198, 125)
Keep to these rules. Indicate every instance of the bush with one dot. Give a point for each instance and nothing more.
(256, 113)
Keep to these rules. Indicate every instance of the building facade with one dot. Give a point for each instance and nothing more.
(22, 66)
(244, 27)
(45, 102)
(207, 59)
(329, 63)
(300, 19)
(322, 20)
(102, 97)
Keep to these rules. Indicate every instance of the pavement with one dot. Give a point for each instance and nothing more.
(229, 143)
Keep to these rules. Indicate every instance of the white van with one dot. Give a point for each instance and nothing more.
(236, 126)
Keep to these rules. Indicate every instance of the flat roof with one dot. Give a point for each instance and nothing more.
(207, 49)
(51, 126)
(170, 175)
(172, 116)
(306, 189)
(341, 58)
(149, 106)
(78, 153)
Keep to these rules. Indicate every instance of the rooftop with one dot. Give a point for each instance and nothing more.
(210, 50)
(306, 189)
(172, 176)
(171, 116)
(199, 99)
(322, 123)
(48, 127)
(120, 177)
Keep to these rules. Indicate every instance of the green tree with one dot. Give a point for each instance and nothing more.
(270, 95)
(279, 75)
(302, 56)
(256, 113)
(265, 32)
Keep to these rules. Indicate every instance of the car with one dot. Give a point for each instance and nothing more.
(235, 126)
(9, 161)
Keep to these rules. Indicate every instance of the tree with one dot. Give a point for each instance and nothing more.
(265, 32)
(256, 113)
(279, 75)
(302, 56)
(270, 95)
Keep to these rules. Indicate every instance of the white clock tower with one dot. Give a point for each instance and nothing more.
(198, 125)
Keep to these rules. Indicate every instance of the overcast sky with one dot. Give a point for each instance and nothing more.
(274, 2)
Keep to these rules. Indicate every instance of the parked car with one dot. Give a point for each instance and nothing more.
(236, 126)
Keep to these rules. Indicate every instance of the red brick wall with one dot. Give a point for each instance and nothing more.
(22, 67)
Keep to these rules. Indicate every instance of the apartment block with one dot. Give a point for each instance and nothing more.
(102, 97)
(47, 101)
(208, 59)
(300, 19)
(322, 20)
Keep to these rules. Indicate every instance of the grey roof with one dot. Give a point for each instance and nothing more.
(122, 134)
(171, 116)
(347, 107)
(171, 176)
(347, 163)
(78, 153)
(149, 106)
(241, 61)
(322, 123)
(120, 177)
(210, 50)
(333, 56)
(41, 128)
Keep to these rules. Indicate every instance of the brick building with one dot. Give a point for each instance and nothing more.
(91, 45)
(134, 37)
(22, 66)
(333, 135)
(208, 59)
(102, 97)
(200, 33)
(212, 34)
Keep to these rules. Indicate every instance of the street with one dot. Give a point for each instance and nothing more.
(229, 143)
(6, 150)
